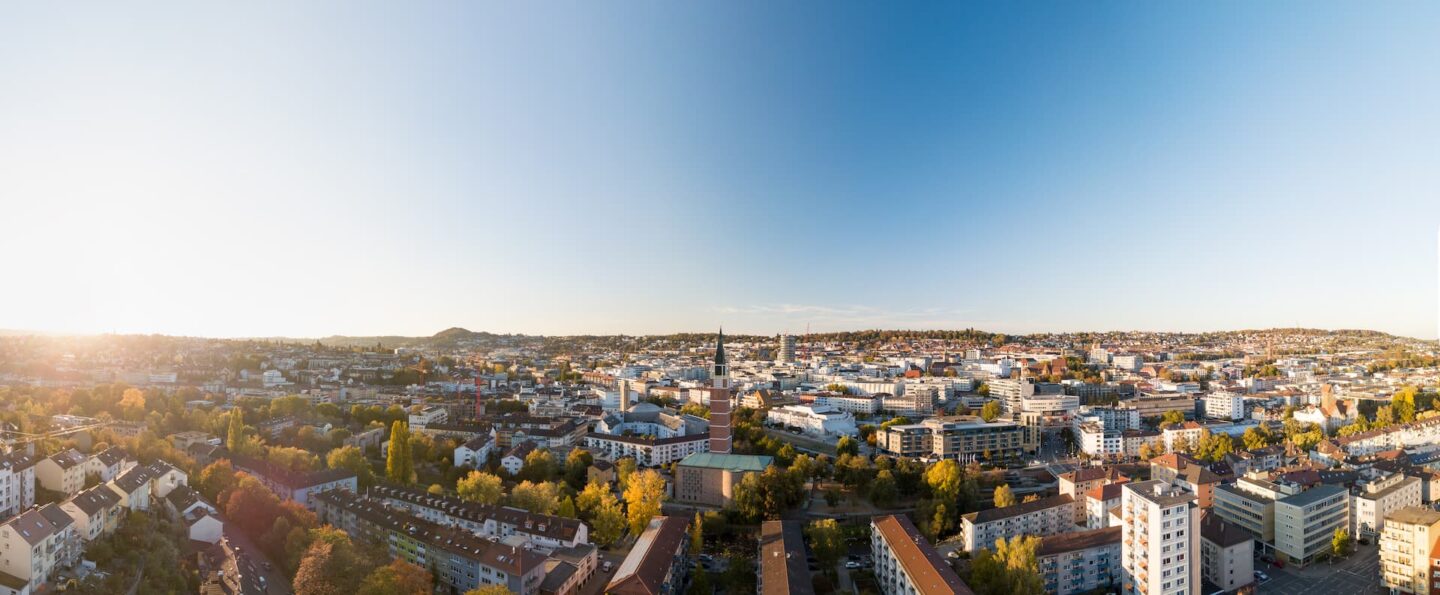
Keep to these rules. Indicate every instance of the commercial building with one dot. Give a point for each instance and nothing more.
(1160, 546)
(1305, 522)
(1410, 535)
(656, 565)
(782, 568)
(816, 420)
(1158, 405)
(863, 405)
(1080, 562)
(1011, 392)
(710, 478)
(906, 564)
(1046, 516)
(786, 351)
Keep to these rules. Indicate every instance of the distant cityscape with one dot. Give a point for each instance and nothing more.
(865, 462)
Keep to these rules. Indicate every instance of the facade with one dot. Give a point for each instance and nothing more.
(1225, 405)
(1046, 516)
(432, 414)
(1098, 503)
(961, 437)
(1080, 562)
(62, 472)
(1080, 482)
(710, 478)
(906, 564)
(1011, 392)
(1378, 498)
(96, 511)
(1305, 522)
(300, 487)
(656, 565)
(1160, 546)
(17, 482)
(1227, 553)
(1410, 536)
(647, 451)
(36, 544)
(855, 404)
(486, 520)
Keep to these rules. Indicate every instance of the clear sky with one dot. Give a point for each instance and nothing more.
(315, 168)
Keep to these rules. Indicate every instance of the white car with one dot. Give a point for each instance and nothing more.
(1262, 576)
(852, 564)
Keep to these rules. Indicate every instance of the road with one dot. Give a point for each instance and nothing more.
(244, 568)
(1358, 573)
(597, 582)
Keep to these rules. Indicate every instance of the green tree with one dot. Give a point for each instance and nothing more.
(1256, 438)
(1011, 569)
(990, 411)
(883, 490)
(482, 487)
(539, 498)
(827, 541)
(624, 468)
(567, 508)
(539, 465)
(609, 523)
(352, 459)
(1004, 496)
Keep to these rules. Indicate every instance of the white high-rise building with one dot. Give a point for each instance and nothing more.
(1160, 548)
(787, 349)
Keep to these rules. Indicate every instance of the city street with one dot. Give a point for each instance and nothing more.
(1359, 573)
(244, 568)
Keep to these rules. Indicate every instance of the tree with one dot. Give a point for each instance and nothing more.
(132, 404)
(351, 458)
(990, 411)
(1384, 416)
(235, 432)
(216, 479)
(847, 446)
(398, 465)
(944, 479)
(939, 522)
(697, 535)
(642, 499)
(1012, 568)
(624, 468)
(489, 590)
(567, 508)
(481, 487)
(1172, 418)
(1403, 404)
(595, 495)
(1256, 438)
(609, 523)
(577, 468)
(1004, 496)
(827, 541)
(539, 498)
(883, 490)
(328, 567)
(539, 465)
(399, 578)
(1340, 542)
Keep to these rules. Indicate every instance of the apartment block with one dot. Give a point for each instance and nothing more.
(1046, 516)
(906, 564)
(1160, 548)
(1409, 537)
(1080, 562)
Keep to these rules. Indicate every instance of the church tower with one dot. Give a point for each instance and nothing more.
(720, 438)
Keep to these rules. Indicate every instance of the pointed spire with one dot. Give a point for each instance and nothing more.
(720, 348)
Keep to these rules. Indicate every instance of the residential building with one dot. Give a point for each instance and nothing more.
(1046, 516)
(1080, 562)
(657, 564)
(1410, 535)
(1377, 498)
(1160, 546)
(17, 482)
(782, 568)
(1080, 482)
(961, 437)
(514, 459)
(300, 487)
(906, 564)
(427, 415)
(647, 451)
(863, 405)
(475, 452)
(97, 511)
(62, 472)
(1227, 553)
(542, 531)
(1224, 405)
(1183, 436)
(1098, 503)
(37, 543)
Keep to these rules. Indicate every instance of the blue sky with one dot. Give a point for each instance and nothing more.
(316, 168)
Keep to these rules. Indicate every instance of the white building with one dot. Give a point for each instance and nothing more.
(906, 564)
(1080, 562)
(1011, 392)
(1378, 498)
(36, 544)
(272, 378)
(432, 414)
(1225, 405)
(1160, 553)
(475, 452)
(1227, 553)
(1410, 535)
(62, 472)
(816, 420)
(17, 482)
(861, 405)
(1046, 516)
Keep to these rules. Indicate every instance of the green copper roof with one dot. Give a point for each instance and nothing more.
(714, 460)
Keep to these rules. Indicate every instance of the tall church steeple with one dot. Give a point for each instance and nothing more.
(720, 369)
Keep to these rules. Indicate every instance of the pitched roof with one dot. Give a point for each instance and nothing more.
(782, 559)
(644, 569)
(997, 514)
(1079, 540)
(929, 572)
(1215, 530)
(733, 462)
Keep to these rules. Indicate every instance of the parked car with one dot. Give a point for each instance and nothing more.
(605, 566)
(852, 565)
(1262, 577)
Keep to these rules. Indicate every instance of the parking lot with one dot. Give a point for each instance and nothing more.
(1359, 573)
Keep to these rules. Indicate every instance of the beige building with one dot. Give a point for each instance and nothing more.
(1410, 535)
(1076, 484)
(1378, 498)
(960, 437)
(1046, 516)
(710, 478)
